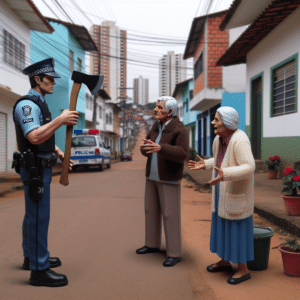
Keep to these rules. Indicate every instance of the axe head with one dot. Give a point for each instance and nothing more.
(93, 82)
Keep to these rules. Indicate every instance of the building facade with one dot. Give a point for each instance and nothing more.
(272, 94)
(67, 45)
(172, 70)
(16, 21)
(141, 90)
(213, 85)
(110, 59)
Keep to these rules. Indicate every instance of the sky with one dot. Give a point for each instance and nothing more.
(151, 24)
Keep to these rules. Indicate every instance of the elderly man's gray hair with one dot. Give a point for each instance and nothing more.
(170, 102)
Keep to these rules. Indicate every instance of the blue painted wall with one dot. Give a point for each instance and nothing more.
(57, 45)
(238, 102)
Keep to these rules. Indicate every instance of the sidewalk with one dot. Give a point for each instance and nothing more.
(268, 202)
(11, 181)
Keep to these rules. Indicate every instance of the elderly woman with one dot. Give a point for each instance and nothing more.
(232, 195)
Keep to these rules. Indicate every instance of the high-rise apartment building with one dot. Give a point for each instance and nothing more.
(110, 59)
(172, 70)
(141, 90)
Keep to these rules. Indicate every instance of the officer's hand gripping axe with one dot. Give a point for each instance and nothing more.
(94, 83)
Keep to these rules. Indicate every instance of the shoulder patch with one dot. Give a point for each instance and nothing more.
(26, 110)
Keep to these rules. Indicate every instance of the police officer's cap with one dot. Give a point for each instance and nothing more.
(45, 66)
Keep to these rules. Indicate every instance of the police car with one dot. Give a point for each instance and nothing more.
(88, 149)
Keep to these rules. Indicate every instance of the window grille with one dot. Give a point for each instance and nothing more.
(284, 95)
(14, 51)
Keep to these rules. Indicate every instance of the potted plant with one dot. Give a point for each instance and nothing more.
(290, 253)
(273, 164)
(291, 181)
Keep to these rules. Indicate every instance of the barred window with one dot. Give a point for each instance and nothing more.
(284, 95)
(198, 68)
(14, 51)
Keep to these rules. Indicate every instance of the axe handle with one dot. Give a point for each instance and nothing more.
(64, 180)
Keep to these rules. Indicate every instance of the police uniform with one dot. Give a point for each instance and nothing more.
(29, 113)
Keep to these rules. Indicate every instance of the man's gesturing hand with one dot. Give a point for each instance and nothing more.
(151, 146)
(69, 117)
(196, 165)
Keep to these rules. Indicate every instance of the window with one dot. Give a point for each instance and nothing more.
(283, 90)
(187, 105)
(100, 111)
(110, 118)
(191, 94)
(71, 60)
(106, 118)
(14, 51)
(198, 67)
(79, 63)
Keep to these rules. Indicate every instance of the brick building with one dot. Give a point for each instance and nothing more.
(213, 85)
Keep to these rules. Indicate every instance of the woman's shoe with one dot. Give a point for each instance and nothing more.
(219, 269)
(238, 280)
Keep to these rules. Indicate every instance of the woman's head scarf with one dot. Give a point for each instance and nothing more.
(229, 117)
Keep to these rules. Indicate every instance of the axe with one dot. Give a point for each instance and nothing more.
(94, 83)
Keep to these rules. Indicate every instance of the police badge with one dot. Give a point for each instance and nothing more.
(26, 109)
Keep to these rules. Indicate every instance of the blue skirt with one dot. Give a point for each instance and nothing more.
(231, 239)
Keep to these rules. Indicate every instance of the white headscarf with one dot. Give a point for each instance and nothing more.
(229, 117)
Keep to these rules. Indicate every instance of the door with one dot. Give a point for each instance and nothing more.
(199, 137)
(256, 117)
(3, 142)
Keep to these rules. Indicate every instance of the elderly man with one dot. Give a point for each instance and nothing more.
(166, 146)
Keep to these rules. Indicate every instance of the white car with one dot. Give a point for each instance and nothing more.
(88, 149)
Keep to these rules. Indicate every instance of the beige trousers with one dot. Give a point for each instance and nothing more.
(163, 199)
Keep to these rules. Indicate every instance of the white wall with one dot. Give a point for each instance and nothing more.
(9, 76)
(17, 83)
(282, 43)
(234, 77)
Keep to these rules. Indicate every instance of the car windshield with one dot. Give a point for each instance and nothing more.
(126, 153)
(84, 141)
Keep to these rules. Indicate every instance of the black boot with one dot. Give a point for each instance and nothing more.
(54, 262)
(47, 278)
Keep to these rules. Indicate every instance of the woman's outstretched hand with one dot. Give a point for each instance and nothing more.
(196, 165)
(218, 178)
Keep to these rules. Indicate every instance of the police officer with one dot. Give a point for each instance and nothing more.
(35, 137)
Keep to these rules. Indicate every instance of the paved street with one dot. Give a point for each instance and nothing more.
(97, 223)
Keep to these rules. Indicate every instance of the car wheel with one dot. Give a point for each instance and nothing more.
(101, 167)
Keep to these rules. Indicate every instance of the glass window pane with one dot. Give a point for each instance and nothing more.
(278, 91)
(290, 101)
(290, 86)
(290, 79)
(279, 97)
(289, 94)
(278, 110)
(290, 108)
(279, 84)
(278, 104)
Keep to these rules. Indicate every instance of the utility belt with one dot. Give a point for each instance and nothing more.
(35, 165)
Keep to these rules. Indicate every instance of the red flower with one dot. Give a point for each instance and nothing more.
(276, 157)
(296, 178)
(288, 171)
(271, 158)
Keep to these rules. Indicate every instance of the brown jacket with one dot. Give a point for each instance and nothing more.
(174, 150)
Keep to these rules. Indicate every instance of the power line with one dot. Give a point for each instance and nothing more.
(56, 1)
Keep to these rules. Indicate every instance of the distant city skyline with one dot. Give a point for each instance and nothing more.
(141, 90)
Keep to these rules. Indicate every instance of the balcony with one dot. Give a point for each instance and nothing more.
(206, 99)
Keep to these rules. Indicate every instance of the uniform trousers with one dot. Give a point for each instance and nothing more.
(163, 200)
(36, 223)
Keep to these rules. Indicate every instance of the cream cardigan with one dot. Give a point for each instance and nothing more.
(236, 200)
